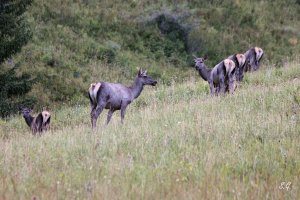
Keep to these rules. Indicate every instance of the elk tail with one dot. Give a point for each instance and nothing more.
(93, 90)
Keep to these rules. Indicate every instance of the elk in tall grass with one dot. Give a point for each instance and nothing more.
(37, 124)
(219, 77)
(114, 96)
(253, 57)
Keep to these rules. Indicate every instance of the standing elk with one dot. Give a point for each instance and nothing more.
(253, 57)
(114, 96)
(239, 61)
(37, 124)
(219, 77)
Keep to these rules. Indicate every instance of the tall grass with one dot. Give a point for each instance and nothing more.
(177, 143)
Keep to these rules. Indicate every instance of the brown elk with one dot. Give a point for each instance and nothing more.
(114, 96)
(239, 61)
(220, 77)
(37, 124)
(253, 57)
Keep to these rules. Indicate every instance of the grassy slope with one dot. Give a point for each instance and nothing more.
(177, 142)
(71, 39)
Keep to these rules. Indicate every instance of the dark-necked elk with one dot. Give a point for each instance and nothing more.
(114, 96)
(220, 77)
(37, 124)
(239, 61)
(253, 57)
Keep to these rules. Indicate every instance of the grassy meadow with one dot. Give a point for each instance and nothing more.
(177, 143)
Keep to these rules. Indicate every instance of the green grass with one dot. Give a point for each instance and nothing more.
(177, 143)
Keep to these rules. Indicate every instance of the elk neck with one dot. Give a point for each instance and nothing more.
(28, 119)
(204, 72)
(136, 88)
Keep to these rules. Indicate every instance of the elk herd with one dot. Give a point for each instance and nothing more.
(226, 75)
(222, 78)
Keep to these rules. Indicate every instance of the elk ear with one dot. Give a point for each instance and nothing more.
(145, 73)
(140, 72)
(205, 57)
(195, 57)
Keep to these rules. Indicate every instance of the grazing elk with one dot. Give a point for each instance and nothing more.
(253, 57)
(115, 96)
(239, 61)
(219, 77)
(38, 124)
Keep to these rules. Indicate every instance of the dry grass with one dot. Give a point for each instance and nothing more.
(177, 143)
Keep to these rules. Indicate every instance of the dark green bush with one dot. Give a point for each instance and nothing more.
(12, 91)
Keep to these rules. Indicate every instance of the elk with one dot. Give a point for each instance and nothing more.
(253, 57)
(37, 124)
(239, 61)
(219, 77)
(114, 96)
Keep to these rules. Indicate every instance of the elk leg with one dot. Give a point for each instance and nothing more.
(253, 66)
(95, 114)
(92, 114)
(93, 108)
(247, 67)
(45, 128)
(34, 130)
(232, 86)
(256, 66)
(217, 89)
(241, 75)
(212, 88)
(222, 86)
(109, 115)
(123, 108)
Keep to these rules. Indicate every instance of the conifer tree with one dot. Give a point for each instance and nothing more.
(14, 33)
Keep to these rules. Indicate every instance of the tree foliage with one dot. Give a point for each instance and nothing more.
(14, 30)
(14, 33)
(12, 88)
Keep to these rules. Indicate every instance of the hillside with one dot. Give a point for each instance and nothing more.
(177, 142)
(78, 42)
